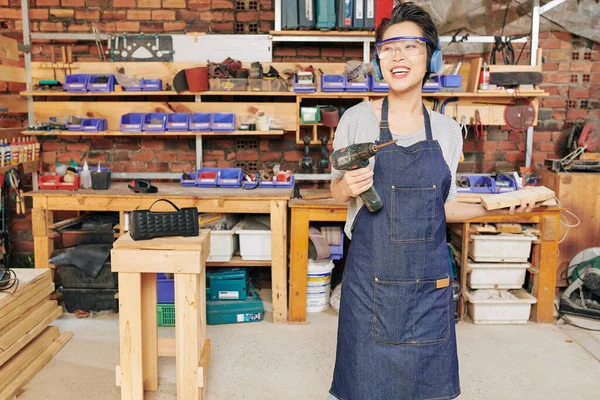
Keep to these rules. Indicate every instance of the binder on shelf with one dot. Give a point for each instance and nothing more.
(306, 14)
(369, 14)
(344, 14)
(358, 18)
(289, 14)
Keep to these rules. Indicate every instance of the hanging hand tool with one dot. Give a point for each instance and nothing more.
(479, 132)
(448, 101)
(357, 156)
(63, 52)
(70, 58)
(306, 163)
(12, 176)
(323, 162)
(463, 125)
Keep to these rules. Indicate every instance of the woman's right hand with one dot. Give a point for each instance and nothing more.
(356, 182)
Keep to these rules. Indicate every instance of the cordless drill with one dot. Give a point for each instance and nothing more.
(357, 156)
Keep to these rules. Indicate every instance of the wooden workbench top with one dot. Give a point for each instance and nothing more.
(312, 203)
(168, 190)
(164, 243)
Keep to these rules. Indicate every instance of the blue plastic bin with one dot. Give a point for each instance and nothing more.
(76, 83)
(266, 184)
(178, 122)
(76, 128)
(146, 85)
(304, 88)
(230, 177)
(207, 177)
(250, 185)
(285, 185)
(101, 87)
(358, 86)
(337, 252)
(333, 83)
(155, 127)
(512, 184)
(188, 182)
(450, 80)
(132, 122)
(378, 86)
(93, 125)
(488, 181)
(200, 122)
(223, 122)
(165, 289)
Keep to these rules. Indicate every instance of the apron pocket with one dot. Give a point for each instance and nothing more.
(413, 214)
(412, 312)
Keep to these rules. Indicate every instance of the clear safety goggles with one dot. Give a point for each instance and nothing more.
(406, 45)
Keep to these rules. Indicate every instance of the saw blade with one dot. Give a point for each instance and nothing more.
(520, 115)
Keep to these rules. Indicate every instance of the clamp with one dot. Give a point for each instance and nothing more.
(447, 101)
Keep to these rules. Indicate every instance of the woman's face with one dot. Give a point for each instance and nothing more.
(403, 72)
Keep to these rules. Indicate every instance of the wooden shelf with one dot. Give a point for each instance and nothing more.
(237, 261)
(119, 133)
(28, 167)
(162, 93)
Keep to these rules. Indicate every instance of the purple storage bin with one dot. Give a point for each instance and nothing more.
(93, 125)
(76, 83)
(337, 252)
(207, 181)
(449, 80)
(250, 185)
(165, 289)
(188, 182)
(132, 122)
(93, 86)
(154, 85)
(304, 88)
(475, 180)
(266, 184)
(178, 122)
(284, 185)
(76, 128)
(152, 126)
(377, 86)
(223, 122)
(358, 86)
(200, 122)
(333, 83)
(511, 181)
(229, 177)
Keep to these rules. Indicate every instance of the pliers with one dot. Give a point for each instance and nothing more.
(479, 132)
(463, 125)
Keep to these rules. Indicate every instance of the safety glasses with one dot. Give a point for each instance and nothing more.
(408, 46)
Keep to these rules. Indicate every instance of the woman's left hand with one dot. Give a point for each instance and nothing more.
(527, 205)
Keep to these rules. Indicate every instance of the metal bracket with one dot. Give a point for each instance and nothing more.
(24, 48)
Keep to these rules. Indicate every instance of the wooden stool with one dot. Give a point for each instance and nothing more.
(137, 263)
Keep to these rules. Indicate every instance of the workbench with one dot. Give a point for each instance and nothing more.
(545, 251)
(121, 199)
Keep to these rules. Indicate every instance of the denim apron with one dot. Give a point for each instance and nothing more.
(396, 334)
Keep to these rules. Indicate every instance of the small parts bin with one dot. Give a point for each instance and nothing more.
(155, 122)
(132, 122)
(499, 306)
(101, 83)
(200, 122)
(178, 122)
(56, 182)
(76, 83)
(149, 85)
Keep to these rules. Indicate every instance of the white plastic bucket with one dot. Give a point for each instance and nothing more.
(318, 289)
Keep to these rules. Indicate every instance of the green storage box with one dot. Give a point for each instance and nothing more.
(236, 311)
(165, 314)
(226, 284)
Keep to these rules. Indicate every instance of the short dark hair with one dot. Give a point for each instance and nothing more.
(410, 12)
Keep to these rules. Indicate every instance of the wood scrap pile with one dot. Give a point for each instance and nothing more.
(27, 343)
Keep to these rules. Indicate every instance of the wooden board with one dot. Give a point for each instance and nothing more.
(152, 134)
(29, 280)
(284, 112)
(166, 243)
(473, 81)
(9, 73)
(491, 114)
(505, 200)
(237, 261)
(509, 228)
(14, 103)
(11, 333)
(26, 302)
(9, 49)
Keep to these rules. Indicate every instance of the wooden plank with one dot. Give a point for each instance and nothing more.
(491, 114)
(150, 330)
(11, 369)
(33, 368)
(68, 221)
(203, 368)
(475, 69)
(14, 103)
(509, 228)
(25, 303)
(130, 333)
(9, 49)
(464, 260)
(29, 280)
(189, 332)
(155, 261)
(513, 68)
(298, 264)
(237, 261)
(152, 134)
(279, 259)
(544, 288)
(8, 73)
(166, 347)
(11, 333)
(193, 243)
(505, 200)
(29, 336)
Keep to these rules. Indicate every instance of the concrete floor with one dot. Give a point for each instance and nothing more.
(266, 361)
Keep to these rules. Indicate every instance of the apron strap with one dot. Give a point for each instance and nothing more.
(428, 134)
(385, 134)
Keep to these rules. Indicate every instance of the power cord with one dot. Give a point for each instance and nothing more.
(8, 280)
(569, 322)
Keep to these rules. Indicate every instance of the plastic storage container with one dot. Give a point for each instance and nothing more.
(178, 122)
(230, 178)
(207, 177)
(200, 122)
(228, 84)
(227, 284)
(155, 122)
(93, 125)
(358, 86)
(56, 182)
(94, 86)
(318, 289)
(285, 184)
(165, 289)
(188, 182)
(165, 314)
(377, 85)
(236, 311)
(76, 83)
(223, 245)
(505, 247)
(76, 127)
(450, 80)
(510, 185)
(154, 85)
(223, 122)
(255, 238)
(132, 122)
(304, 87)
(333, 83)
(496, 275)
(500, 310)
(337, 252)
(482, 184)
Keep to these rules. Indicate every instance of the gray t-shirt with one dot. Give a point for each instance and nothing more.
(360, 124)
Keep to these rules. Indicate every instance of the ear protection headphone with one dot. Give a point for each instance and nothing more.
(142, 186)
(436, 63)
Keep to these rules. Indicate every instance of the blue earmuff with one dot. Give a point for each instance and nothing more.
(436, 64)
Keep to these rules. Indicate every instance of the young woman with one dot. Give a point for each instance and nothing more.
(396, 335)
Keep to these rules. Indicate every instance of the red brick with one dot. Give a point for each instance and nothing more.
(469, 146)
(563, 67)
(138, 15)
(246, 16)
(332, 52)
(284, 51)
(185, 15)
(579, 93)
(136, 166)
(554, 103)
(21, 225)
(47, 3)
(267, 4)
(270, 156)
(107, 26)
(292, 156)
(103, 4)
(540, 136)
(581, 66)
(174, 26)
(174, 4)
(486, 145)
(550, 67)
(177, 144)
(125, 4)
(199, 4)
(549, 147)
(224, 164)
(265, 145)
(551, 90)
(78, 27)
(186, 156)
(119, 155)
(166, 155)
(157, 167)
(72, 3)
(114, 15)
(308, 51)
(151, 27)
(353, 52)
(16, 87)
(87, 14)
(96, 156)
(152, 144)
(230, 155)
(550, 44)
(558, 55)
(226, 4)
(65, 157)
(558, 78)
(179, 166)
(515, 156)
(222, 27)
(163, 15)
(127, 144)
(214, 155)
(596, 67)
(209, 16)
(6, 2)
(148, 3)
(49, 157)
(52, 146)
(595, 78)
(558, 137)
(123, 26)
(576, 114)
(504, 146)
(559, 115)
(142, 156)
(61, 13)
(79, 146)
(51, 26)
(566, 36)
(247, 155)
(224, 144)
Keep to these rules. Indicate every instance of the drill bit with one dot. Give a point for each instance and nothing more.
(377, 147)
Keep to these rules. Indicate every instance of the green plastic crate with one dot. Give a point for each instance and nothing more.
(166, 314)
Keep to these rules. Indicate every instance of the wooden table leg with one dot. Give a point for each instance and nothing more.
(130, 330)
(189, 335)
(464, 260)
(279, 259)
(545, 283)
(298, 264)
(150, 329)
(41, 218)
